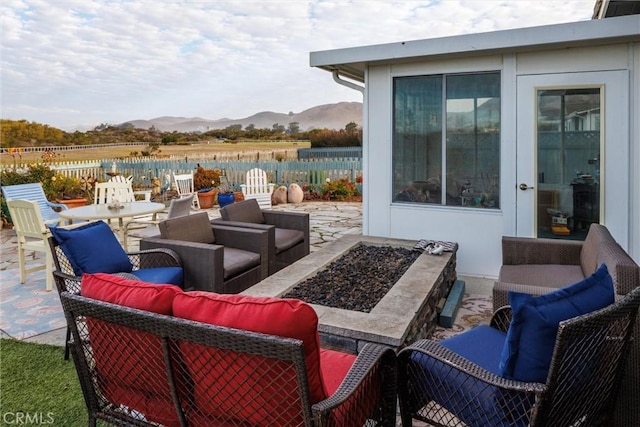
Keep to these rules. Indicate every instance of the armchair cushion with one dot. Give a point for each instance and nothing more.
(245, 211)
(237, 261)
(191, 228)
(130, 293)
(93, 248)
(275, 316)
(134, 380)
(532, 333)
(287, 238)
(482, 345)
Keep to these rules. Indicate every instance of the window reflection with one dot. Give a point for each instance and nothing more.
(470, 154)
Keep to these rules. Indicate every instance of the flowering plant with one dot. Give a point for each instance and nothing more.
(339, 190)
(63, 187)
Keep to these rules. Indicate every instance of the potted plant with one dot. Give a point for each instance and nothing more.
(71, 191)
(205, 182)
(226, 195)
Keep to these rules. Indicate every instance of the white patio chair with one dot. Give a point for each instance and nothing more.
(184, 187)
(32, 235)
(257, 187)
(178, 207)
(107, 192)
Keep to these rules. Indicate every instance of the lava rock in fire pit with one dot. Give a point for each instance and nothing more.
(357, 280)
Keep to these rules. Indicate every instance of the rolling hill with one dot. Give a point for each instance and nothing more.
(330, 116)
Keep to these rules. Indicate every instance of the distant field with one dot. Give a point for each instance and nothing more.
(179, 150)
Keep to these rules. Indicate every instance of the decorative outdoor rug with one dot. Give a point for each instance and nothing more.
(475, 310)
(28, 309)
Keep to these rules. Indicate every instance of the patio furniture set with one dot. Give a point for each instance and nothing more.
(190, 351)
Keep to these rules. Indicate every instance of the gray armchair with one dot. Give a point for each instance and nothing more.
(288, 231)
(215, 258)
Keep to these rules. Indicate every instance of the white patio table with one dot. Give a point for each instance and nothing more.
(102, 212)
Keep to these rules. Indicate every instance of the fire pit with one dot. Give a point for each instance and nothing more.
(407, 312)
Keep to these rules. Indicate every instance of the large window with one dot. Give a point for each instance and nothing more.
(446, 140)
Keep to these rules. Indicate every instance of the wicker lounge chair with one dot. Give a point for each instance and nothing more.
(538, 266)
(216, 258)
(151, 365)
(144, 263)
(288, 231)
(442, 387)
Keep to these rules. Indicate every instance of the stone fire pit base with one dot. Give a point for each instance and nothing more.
(405, 314)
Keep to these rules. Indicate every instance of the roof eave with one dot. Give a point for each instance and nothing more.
(352, 62)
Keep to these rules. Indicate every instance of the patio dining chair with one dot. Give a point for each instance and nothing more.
(32, 235)
(481, 377)
(107, 192)
(35, 192)
(177, 207)
(184, 187)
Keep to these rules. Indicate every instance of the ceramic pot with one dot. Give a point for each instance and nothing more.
(225, 199)
(206, 198)
(73, 203)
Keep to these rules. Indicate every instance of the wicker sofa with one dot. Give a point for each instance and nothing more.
(150, 355)
(538, 266)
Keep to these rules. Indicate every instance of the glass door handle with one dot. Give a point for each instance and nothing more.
(524, 187)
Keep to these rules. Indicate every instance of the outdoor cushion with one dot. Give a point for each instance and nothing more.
(334, 366)
(189, 228)
(552, 276)
(264, 397)
(160, 275)
(287, 238)
(532, 333)
(92, 248)
(245, 211)
(481, 345)
(238, 261)
(129, 293)
(134, 378)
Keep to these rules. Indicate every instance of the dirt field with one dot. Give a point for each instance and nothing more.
(179, 150)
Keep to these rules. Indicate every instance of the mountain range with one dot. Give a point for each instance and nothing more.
(329, 116)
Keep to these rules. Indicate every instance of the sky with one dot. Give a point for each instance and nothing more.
(76, 64)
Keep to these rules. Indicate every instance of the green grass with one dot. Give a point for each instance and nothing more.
(37, 382)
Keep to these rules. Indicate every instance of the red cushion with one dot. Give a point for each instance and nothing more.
(130, 293)
(222, 371)
(335, 366)
(130, 363)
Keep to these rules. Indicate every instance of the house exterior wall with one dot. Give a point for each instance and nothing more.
(479, 231)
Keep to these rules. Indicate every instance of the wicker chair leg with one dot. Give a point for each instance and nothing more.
(66, 344)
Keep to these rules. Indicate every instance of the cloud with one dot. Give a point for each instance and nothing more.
(71, 62)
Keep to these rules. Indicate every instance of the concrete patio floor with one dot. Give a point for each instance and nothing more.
(328, 222)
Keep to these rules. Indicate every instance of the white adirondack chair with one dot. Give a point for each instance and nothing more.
(257, 187)
(184, 187)
(32, 235)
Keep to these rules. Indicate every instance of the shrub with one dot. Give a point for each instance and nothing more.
(206, 178)
(339, 190)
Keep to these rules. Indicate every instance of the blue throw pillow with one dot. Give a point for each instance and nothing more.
(531, 337)
(92, 248)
